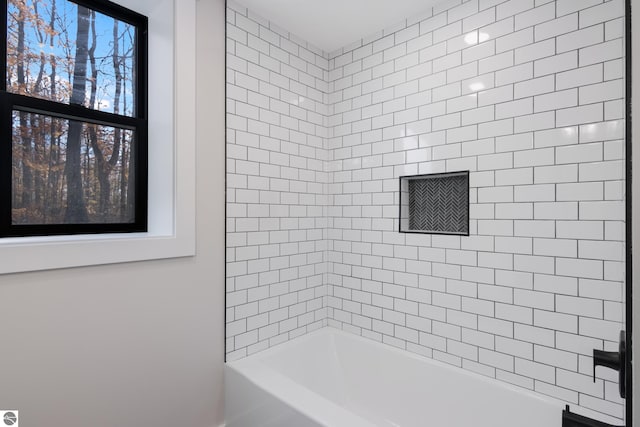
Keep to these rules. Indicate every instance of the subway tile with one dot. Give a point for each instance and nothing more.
(495, 359)
(535, 370)
(499, 28)
(564, 7)
(555, 64)
(517, 108)
(475, 53)
(556, 100)
(589, 269)
(539, 157)
(534, 87)
(514, 40)
(477, 338)
(554, 357)
(579, 306)
(478, 20)
(556, 211)
(534, 334)
(495, 326)
(534, 264)
(535, 122)
(535, 16)
(555, 174)
(515, 245)
(513, 7)
(535, 51)
(601, 13)
(514, 74)
(447, 32)
(515, 314)
(601, 171)
(555, 321)
(556, 27)
(517, 142)
(556, 284)
(522, 176)
(540, 228)
(534, 299)
(555, 247)
(602, 250)
(600, 53)
(578, 39)
(496, 128)
(497, 62)
(495, 96)
(584, 153)
(580, 76)
(579, 115)
(513, 91)
(515, 379)
(602, 92)
(614, 29)
(514, 211)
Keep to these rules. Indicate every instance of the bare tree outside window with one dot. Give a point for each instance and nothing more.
(75, 167)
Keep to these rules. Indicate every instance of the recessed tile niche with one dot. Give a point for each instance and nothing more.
(435, 203)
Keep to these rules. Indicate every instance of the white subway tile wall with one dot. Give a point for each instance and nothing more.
(527, 95)
(277, 178)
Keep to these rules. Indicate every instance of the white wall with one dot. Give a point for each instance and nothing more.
(276, 184)
(535, 111)
(131, 344)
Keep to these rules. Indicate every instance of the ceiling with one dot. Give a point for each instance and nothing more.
(332, 24)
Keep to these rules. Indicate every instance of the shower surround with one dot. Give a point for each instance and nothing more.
(526, 95)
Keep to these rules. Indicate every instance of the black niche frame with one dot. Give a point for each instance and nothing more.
(466, 174)
(10, 102)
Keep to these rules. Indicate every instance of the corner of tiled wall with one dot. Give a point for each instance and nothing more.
(526, 94)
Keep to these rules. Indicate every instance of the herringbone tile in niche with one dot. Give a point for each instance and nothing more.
(437, 203)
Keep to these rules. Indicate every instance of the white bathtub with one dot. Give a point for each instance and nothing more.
(332, 378)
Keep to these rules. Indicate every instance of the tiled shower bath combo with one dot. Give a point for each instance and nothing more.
(333, 157)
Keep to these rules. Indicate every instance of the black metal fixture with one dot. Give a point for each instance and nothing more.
(615, 360)
(569, 419)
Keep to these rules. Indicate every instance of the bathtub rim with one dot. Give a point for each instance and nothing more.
(254, 367)
(300, 398)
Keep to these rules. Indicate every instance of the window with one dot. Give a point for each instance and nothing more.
(172, 161)
(73, 149)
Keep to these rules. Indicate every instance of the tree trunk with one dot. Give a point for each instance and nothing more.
(27, 174)
(104, 166)
(54, 153)
(131, 188)
(37, 123)
(101, 172)
(129, 166)
(117, 65)
(76, 212)
(124, 196)
(123, 184)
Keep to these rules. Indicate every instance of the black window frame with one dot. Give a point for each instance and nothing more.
(138, 123)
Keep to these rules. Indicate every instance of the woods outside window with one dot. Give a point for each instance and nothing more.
(73, 113)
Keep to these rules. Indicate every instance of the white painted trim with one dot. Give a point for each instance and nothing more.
(172, 182)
